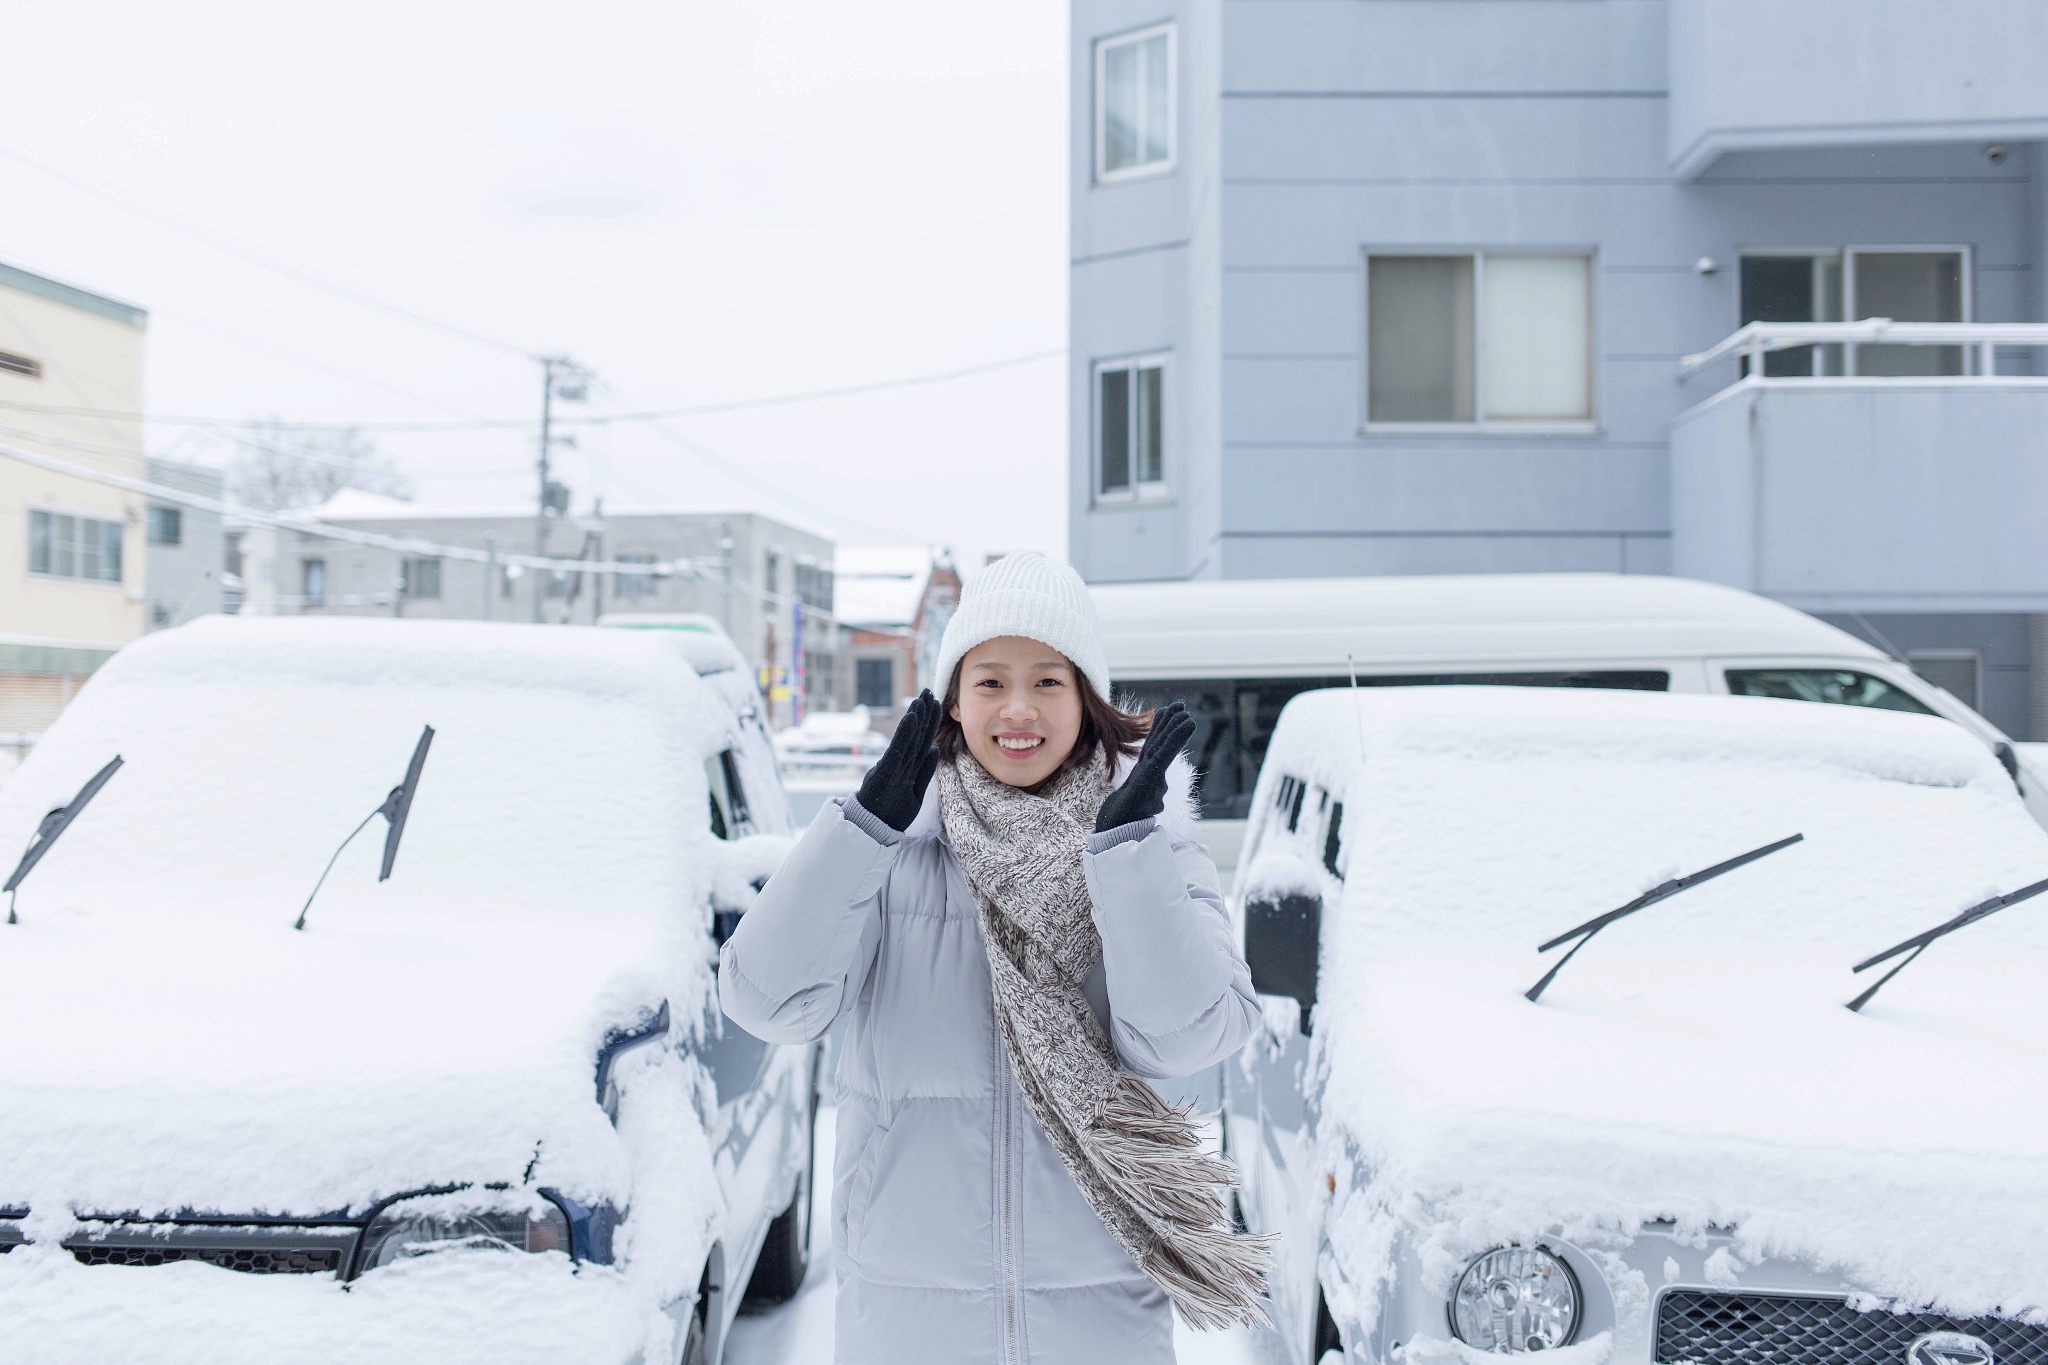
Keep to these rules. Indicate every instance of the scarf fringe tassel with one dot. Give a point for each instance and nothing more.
(1215, 1276)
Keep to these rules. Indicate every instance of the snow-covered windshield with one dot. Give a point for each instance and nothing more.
(566, 775)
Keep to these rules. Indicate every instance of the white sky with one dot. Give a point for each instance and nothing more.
(703, 202)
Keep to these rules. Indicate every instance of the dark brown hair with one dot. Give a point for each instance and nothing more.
(1104, 727)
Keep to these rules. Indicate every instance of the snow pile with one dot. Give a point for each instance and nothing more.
(174, 1044)
(1695, 1063)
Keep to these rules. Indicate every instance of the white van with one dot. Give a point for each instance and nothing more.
(1236, 651)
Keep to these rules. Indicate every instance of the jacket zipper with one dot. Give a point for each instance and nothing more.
(1005, 1231)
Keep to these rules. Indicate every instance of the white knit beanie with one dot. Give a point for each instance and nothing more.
(1029, 595)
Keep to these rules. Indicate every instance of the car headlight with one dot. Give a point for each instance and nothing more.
(1516, 1299)
(414, 1227)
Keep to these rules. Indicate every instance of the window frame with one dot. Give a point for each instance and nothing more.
(1482, 425)
(1846, 253)
(412, 571)
(164, 514)
(1143, 170)
(1135, 493)
(306, 575)
(77, 515)
(888, 662)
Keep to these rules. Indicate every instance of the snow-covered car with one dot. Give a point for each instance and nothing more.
(1684, 1147)
(484, 1110)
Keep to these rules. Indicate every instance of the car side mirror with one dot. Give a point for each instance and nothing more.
(2010, 761)
(1282, 934)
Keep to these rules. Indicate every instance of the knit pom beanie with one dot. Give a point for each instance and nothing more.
(1029, 595)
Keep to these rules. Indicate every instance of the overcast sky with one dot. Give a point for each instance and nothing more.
(704, 202)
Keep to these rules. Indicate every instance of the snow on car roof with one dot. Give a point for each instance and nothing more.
(173, 1043)
(1282, 627)
(1696, 1062)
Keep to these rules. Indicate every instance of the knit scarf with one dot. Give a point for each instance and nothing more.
(1138, 1162)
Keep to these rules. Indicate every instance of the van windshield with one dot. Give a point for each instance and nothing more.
(1234, 718)
(1835, 686)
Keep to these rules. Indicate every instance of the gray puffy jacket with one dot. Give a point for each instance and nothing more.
(958, 1234)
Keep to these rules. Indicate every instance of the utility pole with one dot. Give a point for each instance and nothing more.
(725, 569)
(597, 553)
(563, 378)
(490, 572)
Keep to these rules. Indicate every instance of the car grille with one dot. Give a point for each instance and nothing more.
(257, 1250)
(1715, 1328)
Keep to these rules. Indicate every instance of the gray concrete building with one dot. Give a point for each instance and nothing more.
(1404, 286)
(186, 547)
(769, 583)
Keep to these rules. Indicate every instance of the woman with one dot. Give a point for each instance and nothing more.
(1015, 913)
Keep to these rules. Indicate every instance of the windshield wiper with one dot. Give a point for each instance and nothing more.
(1918, 943)
(54, 824)
(1584, 933)
(394, 808)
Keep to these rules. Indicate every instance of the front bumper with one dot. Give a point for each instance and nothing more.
(454, 1306)
(1663, 1298)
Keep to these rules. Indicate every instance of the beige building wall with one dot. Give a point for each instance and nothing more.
(83, 357)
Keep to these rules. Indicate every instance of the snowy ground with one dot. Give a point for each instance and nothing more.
(800, 1332)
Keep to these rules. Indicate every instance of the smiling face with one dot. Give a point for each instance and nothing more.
(1019, 708)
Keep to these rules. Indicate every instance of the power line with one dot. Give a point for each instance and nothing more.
(257, 259)
(594, 419)
(736, 471)
(707, 568)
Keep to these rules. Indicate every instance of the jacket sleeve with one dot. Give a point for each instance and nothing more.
(1180, 996)
(802, 953)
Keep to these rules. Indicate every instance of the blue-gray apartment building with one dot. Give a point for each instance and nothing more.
(1409, 286)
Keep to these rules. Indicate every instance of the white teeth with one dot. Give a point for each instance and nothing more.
(1020, 743)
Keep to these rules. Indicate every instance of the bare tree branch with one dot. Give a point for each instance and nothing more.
(278, 467)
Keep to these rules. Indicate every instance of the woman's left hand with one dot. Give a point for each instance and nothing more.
(1143, 793)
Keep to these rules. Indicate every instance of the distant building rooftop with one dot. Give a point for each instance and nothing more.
(879, 587)
(14, 277)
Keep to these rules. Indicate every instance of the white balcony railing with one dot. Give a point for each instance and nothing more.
(1978, 340)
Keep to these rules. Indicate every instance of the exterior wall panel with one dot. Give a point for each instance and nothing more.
(1748, 74)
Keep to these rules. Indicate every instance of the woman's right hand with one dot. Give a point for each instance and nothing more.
(893, 790)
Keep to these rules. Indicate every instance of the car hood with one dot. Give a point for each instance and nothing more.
(208, 1064)
(1903, 1146)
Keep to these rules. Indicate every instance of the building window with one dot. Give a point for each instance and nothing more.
(1130, 427)
(1134, 100)
(313, 582)
(11, 363)
(1856, 283)
(817, 678)
(634, 584)
(1477, 338)
(420, 578)
(874, 683)
(82, 548)
(166, 525)
(558, 582)
(814, 586)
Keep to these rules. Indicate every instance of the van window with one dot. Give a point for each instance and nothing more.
(1234, 718)
(1835, 686)
(1333, 841)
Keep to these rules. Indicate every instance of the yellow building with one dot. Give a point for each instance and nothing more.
(71, 550)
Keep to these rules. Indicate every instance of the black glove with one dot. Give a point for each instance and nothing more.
(1143, 793)
(894, 788)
